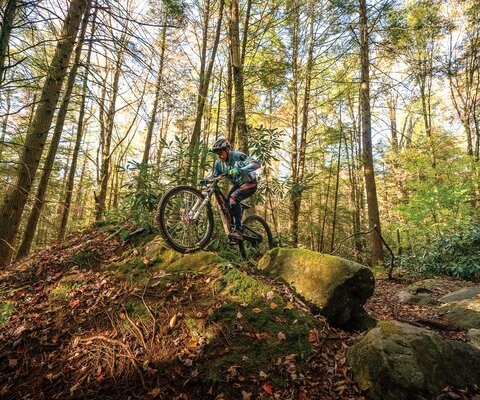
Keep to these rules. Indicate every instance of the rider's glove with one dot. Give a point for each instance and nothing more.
(234, 172)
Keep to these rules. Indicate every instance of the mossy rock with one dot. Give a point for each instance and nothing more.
(399, 361)
(336, 287)
(464, 313)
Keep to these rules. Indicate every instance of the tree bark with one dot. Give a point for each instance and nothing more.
(14, 203)
(5, 31)
(5, 123)
(370, 186)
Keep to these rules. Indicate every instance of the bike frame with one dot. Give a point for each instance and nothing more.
(223, 209)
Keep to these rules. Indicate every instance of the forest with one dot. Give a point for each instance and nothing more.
(363, 114)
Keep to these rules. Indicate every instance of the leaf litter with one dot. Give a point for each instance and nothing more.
(79, 330)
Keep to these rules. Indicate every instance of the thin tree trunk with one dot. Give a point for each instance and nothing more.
(101, 198)
(325, 212)
(370, 186)
(158, 91)
(295, 117)
(335, 198)
(52, 151)
(79, 204)
(78, 140)
(237, 71)
(14, 203)
(205, 77)
(230, 126)
(302, 141)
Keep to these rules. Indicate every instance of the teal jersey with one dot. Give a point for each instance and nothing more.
(237, 159)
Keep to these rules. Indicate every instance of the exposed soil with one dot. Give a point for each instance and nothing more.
(72, 329)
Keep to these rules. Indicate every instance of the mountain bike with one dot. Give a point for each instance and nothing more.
(185, 219)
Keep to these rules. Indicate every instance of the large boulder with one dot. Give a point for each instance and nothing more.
(401, 362)
(464, 313)
(335, 287)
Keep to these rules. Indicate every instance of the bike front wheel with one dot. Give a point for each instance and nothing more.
(257, 238)
(184, 228)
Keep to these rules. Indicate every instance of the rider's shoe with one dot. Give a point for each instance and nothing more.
(235, 234)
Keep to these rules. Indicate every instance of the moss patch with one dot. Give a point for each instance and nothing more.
(202, 262)
(136, 309)
(6, 309)
(136, 270)
(240, 286)
(84, 258)
(65, 286)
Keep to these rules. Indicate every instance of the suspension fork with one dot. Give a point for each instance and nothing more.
(199, 205)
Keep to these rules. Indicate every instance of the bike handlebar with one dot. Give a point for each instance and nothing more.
(212, 179)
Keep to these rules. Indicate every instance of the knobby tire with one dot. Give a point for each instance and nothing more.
(247, 249)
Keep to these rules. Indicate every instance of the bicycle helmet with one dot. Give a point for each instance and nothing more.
(220, 144)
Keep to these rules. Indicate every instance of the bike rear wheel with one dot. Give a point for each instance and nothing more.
(257, 238)
(174, 217)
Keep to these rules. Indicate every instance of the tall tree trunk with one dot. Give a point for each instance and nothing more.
(5, 31)
(14, 202)
(371, 190)
(237, 72)
(78, 141)
(52, 151)
(325, 211)
(425, 94)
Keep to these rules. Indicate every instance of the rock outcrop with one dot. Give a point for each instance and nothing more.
(336, 287)
(401, 362)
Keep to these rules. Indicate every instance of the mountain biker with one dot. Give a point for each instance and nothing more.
(239, 168)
